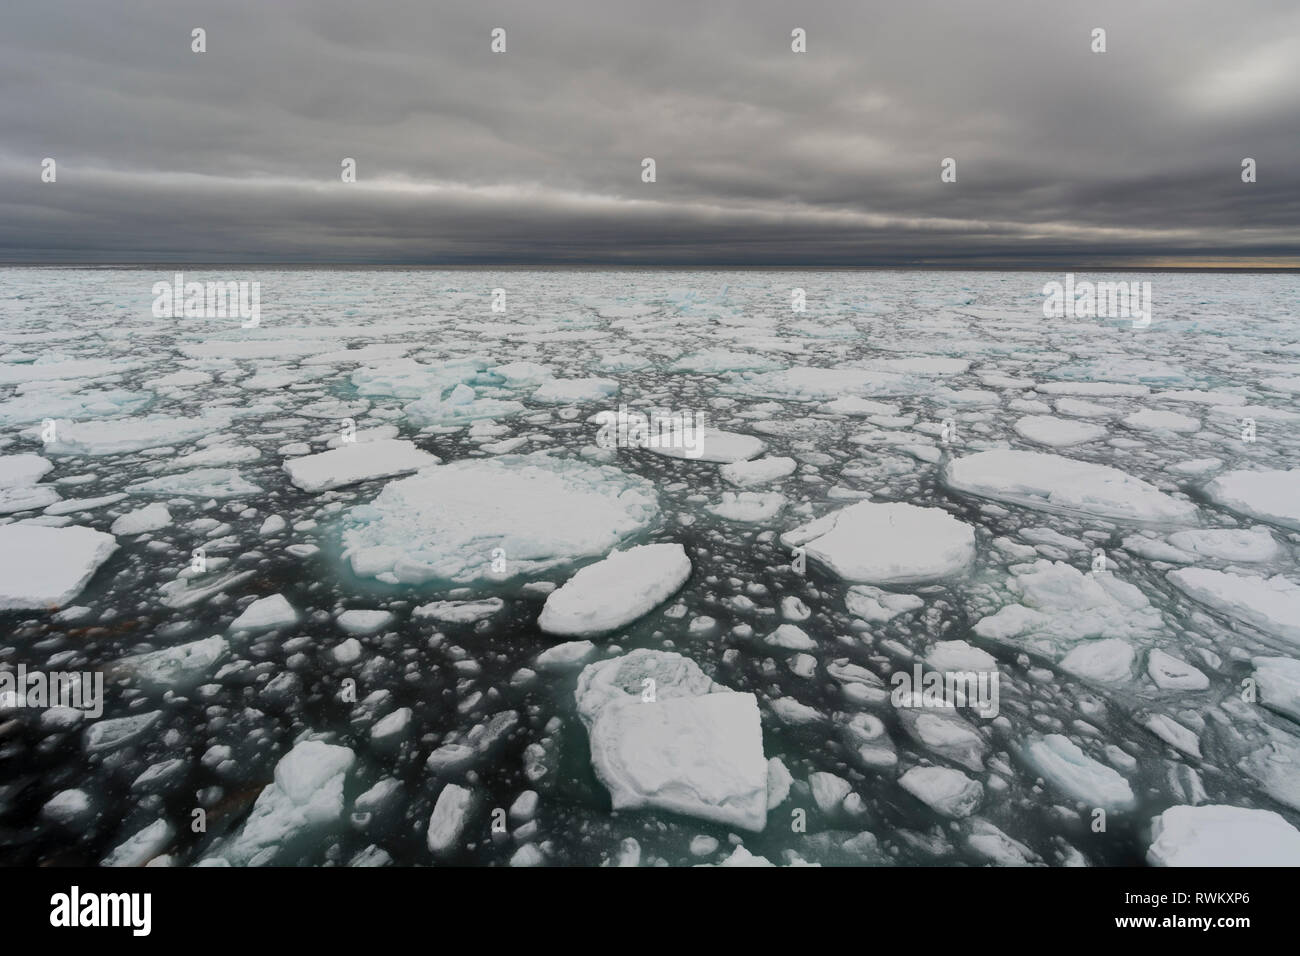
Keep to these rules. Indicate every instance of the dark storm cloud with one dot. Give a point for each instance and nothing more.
(764, 156)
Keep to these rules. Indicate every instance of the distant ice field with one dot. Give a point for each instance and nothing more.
(649, 567)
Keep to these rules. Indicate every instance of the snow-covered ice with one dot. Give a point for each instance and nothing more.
(356, 461)
(1222, 836)
(1052, 483)
(538, 511)
(45, 568)
(872, 543)
(681, 743)
(615, 591)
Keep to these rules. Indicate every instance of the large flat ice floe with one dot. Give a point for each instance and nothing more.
(1052, 483)
(480, 521)
(44, 567)
(713, 445)
(357, 461)
(1222, 836)
(1057, 432)
(869, 543)
(609, 594)
(664, 735)
(1270, 604)
(1272, 496)
(21, 471)
(1278, 679)
(130, 434)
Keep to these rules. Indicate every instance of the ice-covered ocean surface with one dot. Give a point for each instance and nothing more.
(383, 579)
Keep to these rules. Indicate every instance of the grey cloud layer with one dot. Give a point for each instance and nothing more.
(764, 156)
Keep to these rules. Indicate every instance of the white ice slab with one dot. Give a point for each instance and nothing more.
(1053, 483)
(1217, 835)
(892, 543)
(613, 593)
(357, 461)
(44, 567)
(483, 520)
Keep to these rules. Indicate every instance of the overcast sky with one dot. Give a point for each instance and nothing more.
(764, 156)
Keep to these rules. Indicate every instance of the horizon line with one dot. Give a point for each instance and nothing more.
(1218, 266)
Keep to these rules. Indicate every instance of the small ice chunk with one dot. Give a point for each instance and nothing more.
(959, 657)
(363, 621)
(829, 791)
(1154, 420)
(450, 818)
(569, 654)
(760, 471)
(304, 801)
(142, 846)
(459, 612)
(267, 612)
(944, 790)
(791, 637)
(1170, 673)
(105, 735)
(149, 518)
(749, 507)
(876, 606)
(273, 524)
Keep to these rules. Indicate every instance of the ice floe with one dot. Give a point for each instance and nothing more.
(893, 543)
(1216, 835)
(1272, 496)
(1052, 483)
(535, 512)
(45, 568)
(615, 591)
(664, 735)
(357, 461)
